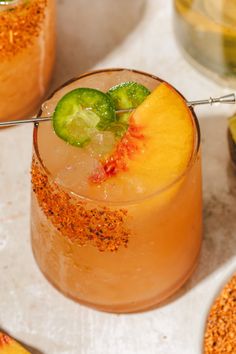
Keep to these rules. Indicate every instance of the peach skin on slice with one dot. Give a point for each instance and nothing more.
(10, 346)
(167, 127)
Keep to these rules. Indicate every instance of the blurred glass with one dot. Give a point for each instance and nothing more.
(27, 51)
(206, 29)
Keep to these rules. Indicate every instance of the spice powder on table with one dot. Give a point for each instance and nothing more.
(220, 335)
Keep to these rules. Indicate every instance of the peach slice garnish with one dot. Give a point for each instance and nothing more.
(158, 144)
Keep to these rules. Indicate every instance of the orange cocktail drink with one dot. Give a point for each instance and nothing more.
(27, 46)
(117, 224)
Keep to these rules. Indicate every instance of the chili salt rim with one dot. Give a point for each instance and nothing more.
(101, 227)
(197, 139)
(20, 22)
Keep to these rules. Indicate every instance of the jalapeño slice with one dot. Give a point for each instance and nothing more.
(126, 95)
(80, 113)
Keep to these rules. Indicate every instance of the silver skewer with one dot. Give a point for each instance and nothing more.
(227, 99)
(46, 119)
(23, 121)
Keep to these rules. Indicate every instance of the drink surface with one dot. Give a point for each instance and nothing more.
(207, 31)
(164, 150)
(26, 56)
(126, 243)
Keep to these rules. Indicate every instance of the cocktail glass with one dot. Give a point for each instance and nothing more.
(206, 30)
(112, 251)
(27, 51)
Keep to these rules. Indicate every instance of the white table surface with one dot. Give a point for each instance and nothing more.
(108, 33)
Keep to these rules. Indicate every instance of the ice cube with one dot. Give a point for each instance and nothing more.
(102, 143)
(48, 108)
(75, 174)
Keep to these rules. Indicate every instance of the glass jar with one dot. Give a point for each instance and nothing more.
(117, 255)
(206, 29)
(27, 51)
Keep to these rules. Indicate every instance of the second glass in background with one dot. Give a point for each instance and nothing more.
(206, 29)
(27, 52)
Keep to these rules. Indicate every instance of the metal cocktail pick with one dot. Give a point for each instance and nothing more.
(228, 99)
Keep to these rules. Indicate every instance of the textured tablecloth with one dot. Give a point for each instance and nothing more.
(136, 34)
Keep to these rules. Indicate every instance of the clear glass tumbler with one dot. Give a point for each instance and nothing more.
(117, 256)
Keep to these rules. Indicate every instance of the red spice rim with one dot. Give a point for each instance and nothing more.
(141, 198)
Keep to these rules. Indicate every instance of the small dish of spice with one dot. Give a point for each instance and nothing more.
(220, 332)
